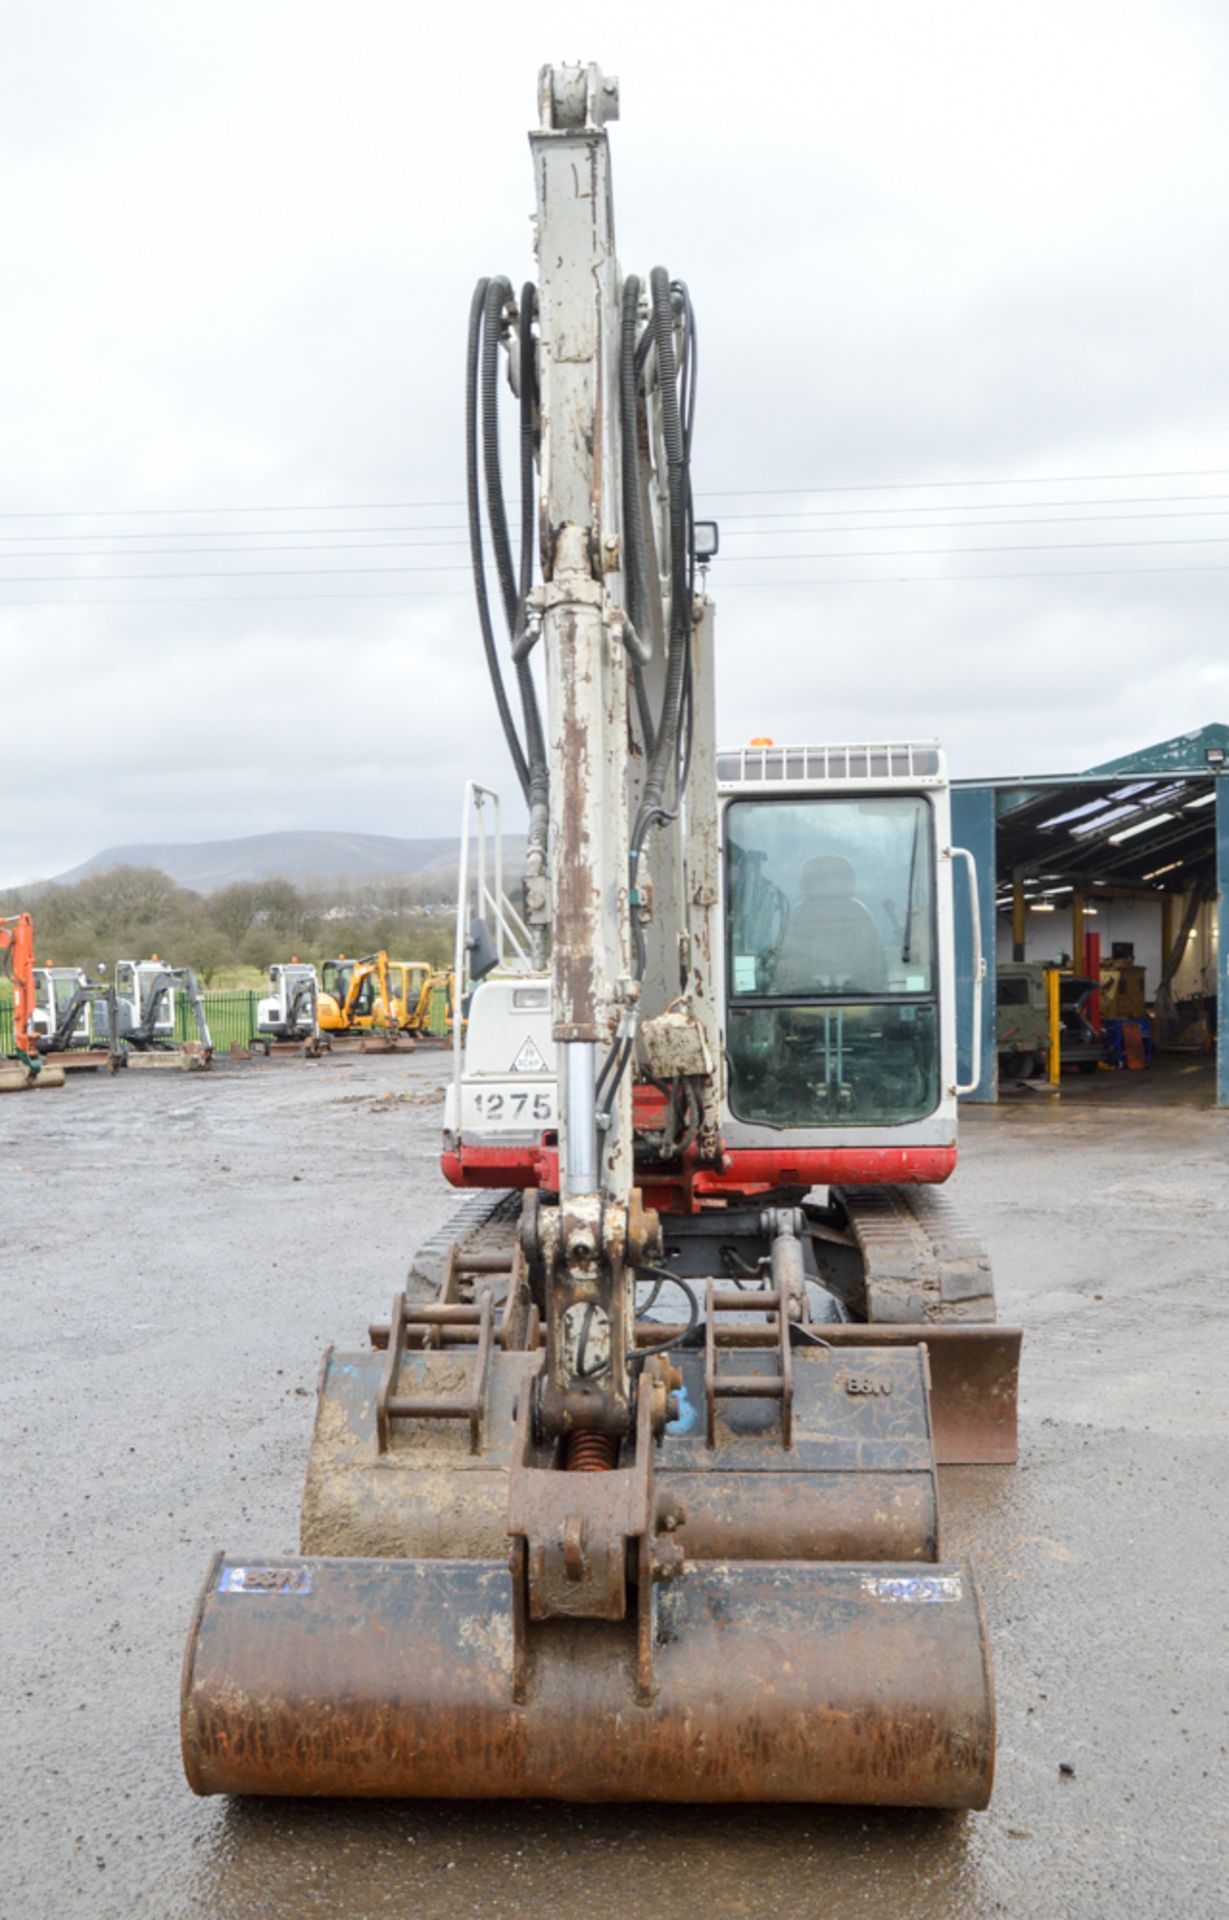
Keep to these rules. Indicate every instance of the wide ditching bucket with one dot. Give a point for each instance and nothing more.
(470, 1621)
(772, 1681)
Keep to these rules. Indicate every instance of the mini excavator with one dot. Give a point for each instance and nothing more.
(635, 1494)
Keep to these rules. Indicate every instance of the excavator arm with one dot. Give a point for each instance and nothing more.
(17, 961)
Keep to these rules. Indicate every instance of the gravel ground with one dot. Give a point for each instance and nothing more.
(180, 1248)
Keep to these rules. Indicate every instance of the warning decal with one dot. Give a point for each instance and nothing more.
(529, 1059)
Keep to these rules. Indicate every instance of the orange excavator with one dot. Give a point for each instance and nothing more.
(28, 1069)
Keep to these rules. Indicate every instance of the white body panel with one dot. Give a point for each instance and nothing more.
(507, 1093)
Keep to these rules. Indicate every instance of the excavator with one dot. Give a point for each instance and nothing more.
(433, 1014)
(28, 1068)
(634, 1495)
(408, 984)
(358, 1004)
(147, 1013)
(77, 1022)
(287, 1019)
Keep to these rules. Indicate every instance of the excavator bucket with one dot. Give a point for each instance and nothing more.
(810, 1645)
(15, 1077)
(772, 1681)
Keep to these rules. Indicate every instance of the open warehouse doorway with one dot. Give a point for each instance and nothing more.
(1103, 907)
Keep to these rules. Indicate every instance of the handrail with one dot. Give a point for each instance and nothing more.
(979, 971)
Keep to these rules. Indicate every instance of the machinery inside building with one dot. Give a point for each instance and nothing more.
(1107, 911)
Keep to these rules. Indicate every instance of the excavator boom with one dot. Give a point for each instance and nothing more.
(17, 960)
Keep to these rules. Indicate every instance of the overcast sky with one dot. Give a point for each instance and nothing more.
(960, 243)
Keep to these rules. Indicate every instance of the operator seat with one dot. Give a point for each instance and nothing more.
(830, 941)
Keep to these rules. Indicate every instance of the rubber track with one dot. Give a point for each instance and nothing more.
(486, 1219)
(920, 1262)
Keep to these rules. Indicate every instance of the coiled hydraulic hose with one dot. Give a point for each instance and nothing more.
(635, 554)
(491, 304)
(477, 558)
(539, 772)
(666, 745)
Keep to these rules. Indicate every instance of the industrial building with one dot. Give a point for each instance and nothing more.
(1119, 874)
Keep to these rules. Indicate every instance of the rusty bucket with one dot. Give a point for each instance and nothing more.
(773, 1681)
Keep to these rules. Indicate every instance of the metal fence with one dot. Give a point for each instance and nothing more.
(231, 1016)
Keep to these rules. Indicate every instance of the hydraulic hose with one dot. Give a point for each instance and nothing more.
(498, 297)
(477, 559)
(635, 555)
(539, 774)
(665, 751)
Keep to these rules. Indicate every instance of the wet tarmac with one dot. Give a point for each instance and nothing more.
(179, 1250)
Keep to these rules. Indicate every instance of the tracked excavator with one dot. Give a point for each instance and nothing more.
(635, 1494)
(358, 1005)
(27, 1068)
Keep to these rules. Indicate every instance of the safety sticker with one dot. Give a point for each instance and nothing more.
(265, 1580)
(925, 1587)
(529, 1059)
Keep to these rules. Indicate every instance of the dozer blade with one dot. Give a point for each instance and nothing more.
(974, 1372)
(191, 1057)
(776, 1681)
(373, 1040)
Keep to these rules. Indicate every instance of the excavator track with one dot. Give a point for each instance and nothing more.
(920, 1262)
(485, 1222)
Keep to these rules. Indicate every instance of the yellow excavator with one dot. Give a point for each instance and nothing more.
(357, 1001)
(409, 984)
(433, 1016)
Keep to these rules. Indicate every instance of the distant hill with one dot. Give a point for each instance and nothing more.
(206, 865)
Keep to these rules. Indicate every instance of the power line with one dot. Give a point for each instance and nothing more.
(732, 586)
(304, 533)
(922, 553)
(943, 579)
(918, 506)
(333, 506)
(744, 559)
(203, 553)
(712, 493)
(904, 486)
(242, 599)
(795, 513)
(733, 533)
(952, 526)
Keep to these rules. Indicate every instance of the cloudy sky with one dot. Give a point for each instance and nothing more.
(960, 271)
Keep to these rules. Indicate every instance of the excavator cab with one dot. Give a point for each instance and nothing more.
(838, 957)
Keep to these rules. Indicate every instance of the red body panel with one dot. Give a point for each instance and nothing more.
(745, 1170)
